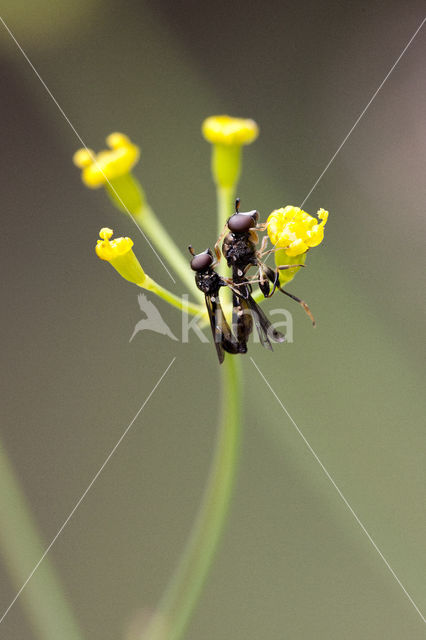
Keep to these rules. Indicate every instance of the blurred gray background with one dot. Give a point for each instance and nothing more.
(293, 562)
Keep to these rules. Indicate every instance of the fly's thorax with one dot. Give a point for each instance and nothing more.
(239, 249)
(209, 282)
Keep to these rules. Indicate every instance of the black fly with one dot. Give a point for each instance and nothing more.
(240, 251)
(209, 282)
(239, 248)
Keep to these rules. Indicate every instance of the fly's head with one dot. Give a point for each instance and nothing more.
(241, 223)
(202, 262)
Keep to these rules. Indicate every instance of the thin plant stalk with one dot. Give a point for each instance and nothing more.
(225, 200)
(156, 232)
(225, 203)
(128, 196)
(175, 608)
(43, 598)
(182, 304)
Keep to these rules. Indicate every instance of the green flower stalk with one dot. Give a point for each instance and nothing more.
(42, 597)
(174, 611)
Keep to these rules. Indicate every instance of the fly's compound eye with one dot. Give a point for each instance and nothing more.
(202, 261)
(242, 222)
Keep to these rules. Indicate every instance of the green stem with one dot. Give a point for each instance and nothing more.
(42, 598)
(166, 246)
(180, 303)
(174, 611)
(127, 195)
(225, 206)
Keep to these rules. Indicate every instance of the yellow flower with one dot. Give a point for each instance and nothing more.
(228, 135)
(99, 169)
(230, 131)
(294, 230)
(120, 254)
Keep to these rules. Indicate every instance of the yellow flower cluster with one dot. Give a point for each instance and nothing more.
(294, 230)
(99, 169)
(229, 131)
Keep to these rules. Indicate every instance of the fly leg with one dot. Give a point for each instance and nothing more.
(260, 252)
(267, 274)
(219, 242)
(301, 302)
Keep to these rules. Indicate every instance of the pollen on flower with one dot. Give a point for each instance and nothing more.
(296, 231)
(230, 131)
(98, 169)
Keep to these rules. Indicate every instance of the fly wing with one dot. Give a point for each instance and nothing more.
(264, 328)
(211, 310)
(261, 322)
(222, 335)
(229, 342)
(246, 310)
